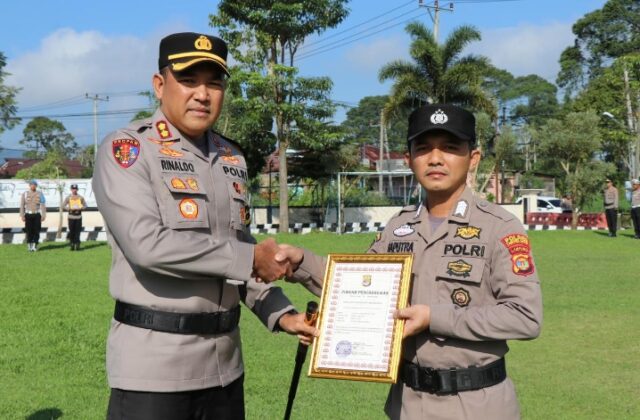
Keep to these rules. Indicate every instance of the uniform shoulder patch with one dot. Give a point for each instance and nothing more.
(520, 250)
(125, 151)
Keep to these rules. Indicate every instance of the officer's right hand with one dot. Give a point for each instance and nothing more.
(265, 266)
(417, 319)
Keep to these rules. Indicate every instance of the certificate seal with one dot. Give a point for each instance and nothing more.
(343, 348)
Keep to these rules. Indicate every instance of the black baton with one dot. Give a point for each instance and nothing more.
(310, 319)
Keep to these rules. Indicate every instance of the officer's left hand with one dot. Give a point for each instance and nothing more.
(294, 324)
(417, 319)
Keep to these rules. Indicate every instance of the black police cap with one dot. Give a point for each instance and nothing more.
(184, 49)
(450, 118)
(74, 186)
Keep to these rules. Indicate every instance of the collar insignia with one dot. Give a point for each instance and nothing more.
(461, 209)
(163, 129)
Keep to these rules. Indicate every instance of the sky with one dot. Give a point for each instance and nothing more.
(59, 51)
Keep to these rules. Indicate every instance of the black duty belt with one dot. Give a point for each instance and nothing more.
(175, 322)
(454, 380)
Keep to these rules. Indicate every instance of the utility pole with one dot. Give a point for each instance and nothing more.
(435, 17)
(95, 98)
(381, 151)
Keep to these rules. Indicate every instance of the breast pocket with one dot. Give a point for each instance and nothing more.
(459, 280)
(186, 204)
(240, 210)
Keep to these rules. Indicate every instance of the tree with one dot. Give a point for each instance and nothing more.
(573, 142)
(7, 100)
(438, 73)
(51, 167)
(153, 104)
(362, 125)
(601, 36)
(610, 95)
(48, 135)
(264, 37)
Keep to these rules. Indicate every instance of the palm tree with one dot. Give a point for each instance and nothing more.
(438, 73)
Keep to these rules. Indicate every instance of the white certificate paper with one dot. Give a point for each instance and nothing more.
(359, 338)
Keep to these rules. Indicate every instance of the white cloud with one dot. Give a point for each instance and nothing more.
(372, 56)
(69, 63)
(526, 49)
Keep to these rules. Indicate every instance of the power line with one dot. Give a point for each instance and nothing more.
(332, 46)
(323, 39)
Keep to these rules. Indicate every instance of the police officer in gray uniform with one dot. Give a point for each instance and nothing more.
(174, 198)
(610, 197)
(33, 212)
(474, 282)
(635, 207)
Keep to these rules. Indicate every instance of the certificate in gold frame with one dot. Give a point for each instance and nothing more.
(359, 339)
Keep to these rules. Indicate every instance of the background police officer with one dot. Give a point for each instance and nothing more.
(173, 195)
(33, 212)
(635, 207)
(474, 281)
(610, 196)
(74, 204)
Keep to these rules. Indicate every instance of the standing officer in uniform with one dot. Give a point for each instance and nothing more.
(173, 195)
(74, 204)
(611, 207)
(635, 207)
(474, 282)
(32, 212)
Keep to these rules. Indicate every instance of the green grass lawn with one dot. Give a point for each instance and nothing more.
(56, 309)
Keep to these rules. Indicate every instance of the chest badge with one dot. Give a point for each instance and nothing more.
(165, 147)
(193, 184)
(188, 208)
(403, 230)
(459, 268)
(468, 232)
(460, 297)
(125, 151)
(178, 184)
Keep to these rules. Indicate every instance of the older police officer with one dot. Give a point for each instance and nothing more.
(173, 195)
(474, 281)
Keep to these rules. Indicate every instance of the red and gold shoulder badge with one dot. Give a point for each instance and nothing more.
(468, 232)
(125, 151)
(520, 250)
(163, 130)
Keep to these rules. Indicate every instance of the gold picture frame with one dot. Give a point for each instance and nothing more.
(359, 339)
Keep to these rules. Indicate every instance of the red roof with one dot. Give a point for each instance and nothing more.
(12, 165)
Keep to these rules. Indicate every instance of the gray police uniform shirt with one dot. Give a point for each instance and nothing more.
(477, 274)
(32, 202)
(635, 198)
(611, 198)
(177, 223)
(74, 204)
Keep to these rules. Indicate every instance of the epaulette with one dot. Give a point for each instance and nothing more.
(140, 126)
(405, 209)
(235, 143)
(494, 210)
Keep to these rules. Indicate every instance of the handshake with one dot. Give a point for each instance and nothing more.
(272, 261)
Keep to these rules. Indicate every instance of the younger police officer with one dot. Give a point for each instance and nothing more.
(74, 204)
(474, 281)
(173, 195)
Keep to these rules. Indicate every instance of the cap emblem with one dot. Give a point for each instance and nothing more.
(203, 43)
(439, 117)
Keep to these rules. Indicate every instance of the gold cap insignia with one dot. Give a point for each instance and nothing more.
(203, 43)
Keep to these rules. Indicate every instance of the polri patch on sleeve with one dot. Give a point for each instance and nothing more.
(518, 246)
(125, 151)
